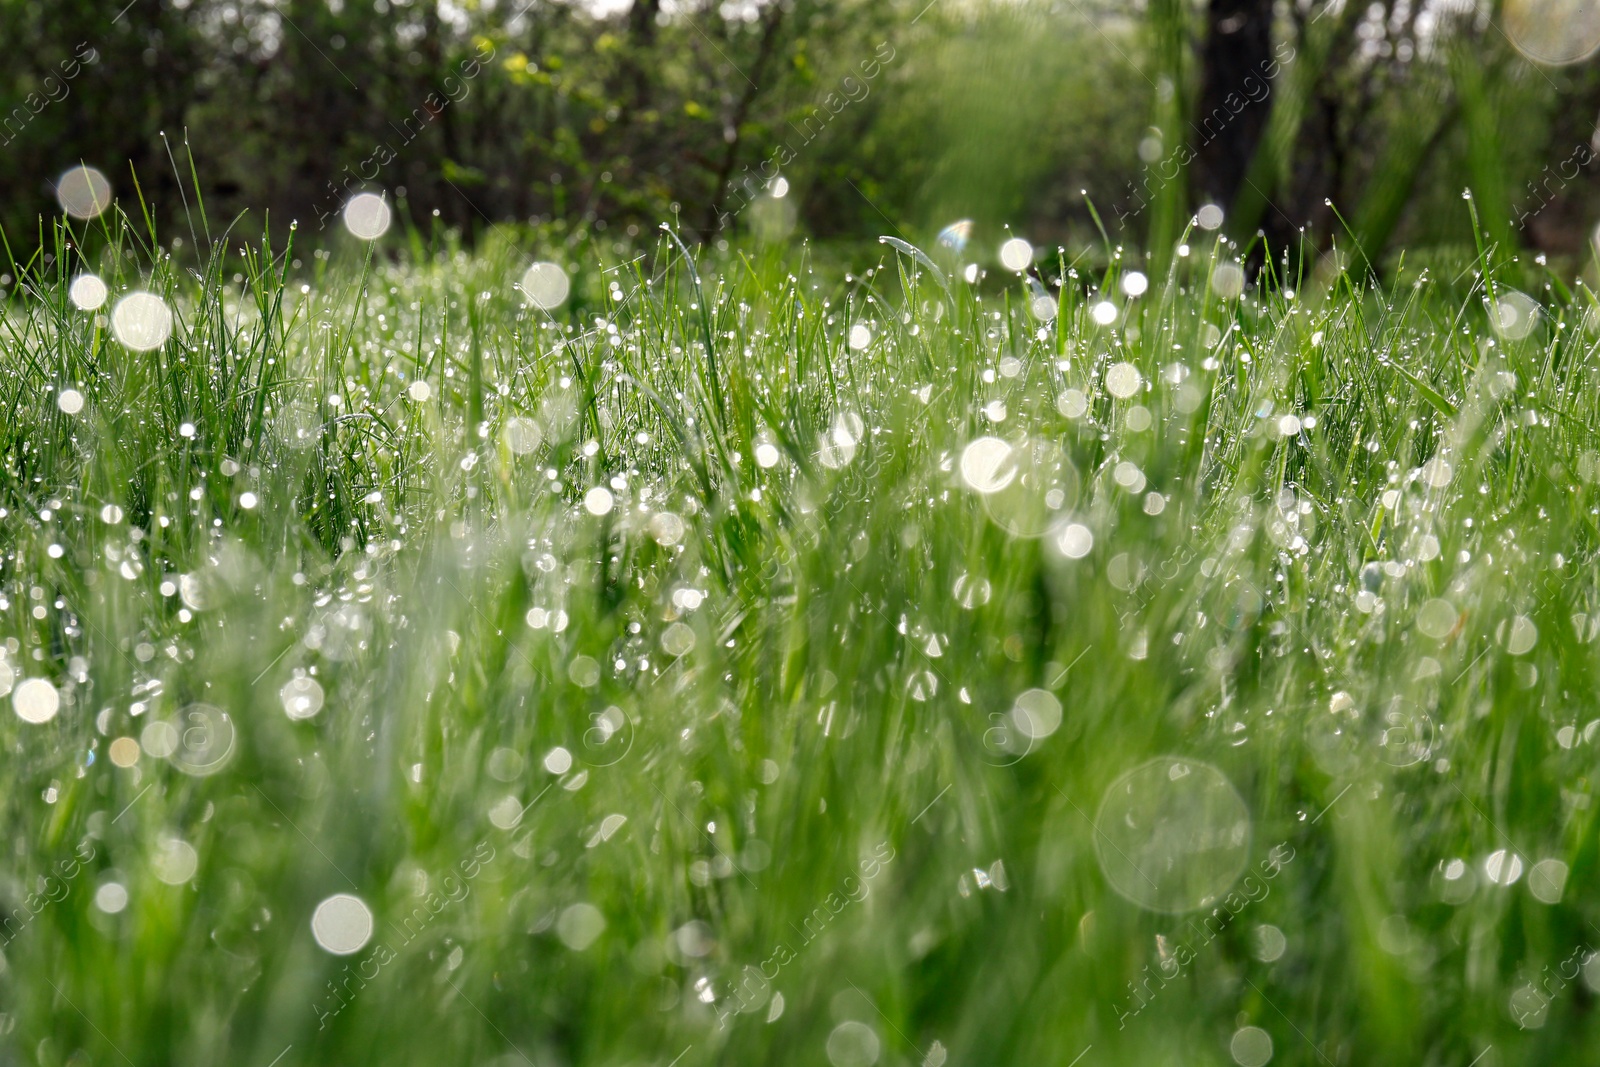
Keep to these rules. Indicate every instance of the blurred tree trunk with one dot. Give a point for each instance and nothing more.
(1235, 97)
(640, 54)
(771, 22)
(1169, 212)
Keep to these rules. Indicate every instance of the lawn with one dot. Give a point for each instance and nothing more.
(783, 655)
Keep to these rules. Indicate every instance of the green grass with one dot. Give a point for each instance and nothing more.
(799, 695)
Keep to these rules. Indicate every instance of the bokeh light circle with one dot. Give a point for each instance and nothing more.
(1227, 281)
(988, 465)
(853, 1044)
(87, 292)
(522, 435)
(302, 697)
(1553, 32)
(175, 861)
(580, 925)
(36, 701)
(1547, 881)
(342, 924)
(1513, 314)
(546, 286)
(1016, 254)
(1123, 380)
(1172, 834)
(111, 898)
(1251, 1046)
(1405, 734)
(1036, 714)
(204, 742)
(368, 216)
(141, 321)
(773, 218)
(1040, 485)
(83, 192)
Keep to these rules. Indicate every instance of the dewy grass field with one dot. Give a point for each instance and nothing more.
(772, 664)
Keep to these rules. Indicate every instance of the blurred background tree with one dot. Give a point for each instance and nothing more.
(610, 114)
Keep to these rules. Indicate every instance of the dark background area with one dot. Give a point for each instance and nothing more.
(884, 115)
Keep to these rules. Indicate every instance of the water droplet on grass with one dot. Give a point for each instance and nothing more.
(192, 591)
(1128, 475)
(1406, 734)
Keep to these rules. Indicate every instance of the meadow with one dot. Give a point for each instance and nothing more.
(776, 655)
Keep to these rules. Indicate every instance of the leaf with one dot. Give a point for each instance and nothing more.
(921, 257)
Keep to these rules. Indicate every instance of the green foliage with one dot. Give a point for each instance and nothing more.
(474, 114)
(678, 611)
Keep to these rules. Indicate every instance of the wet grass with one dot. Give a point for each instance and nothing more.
(688, 676)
